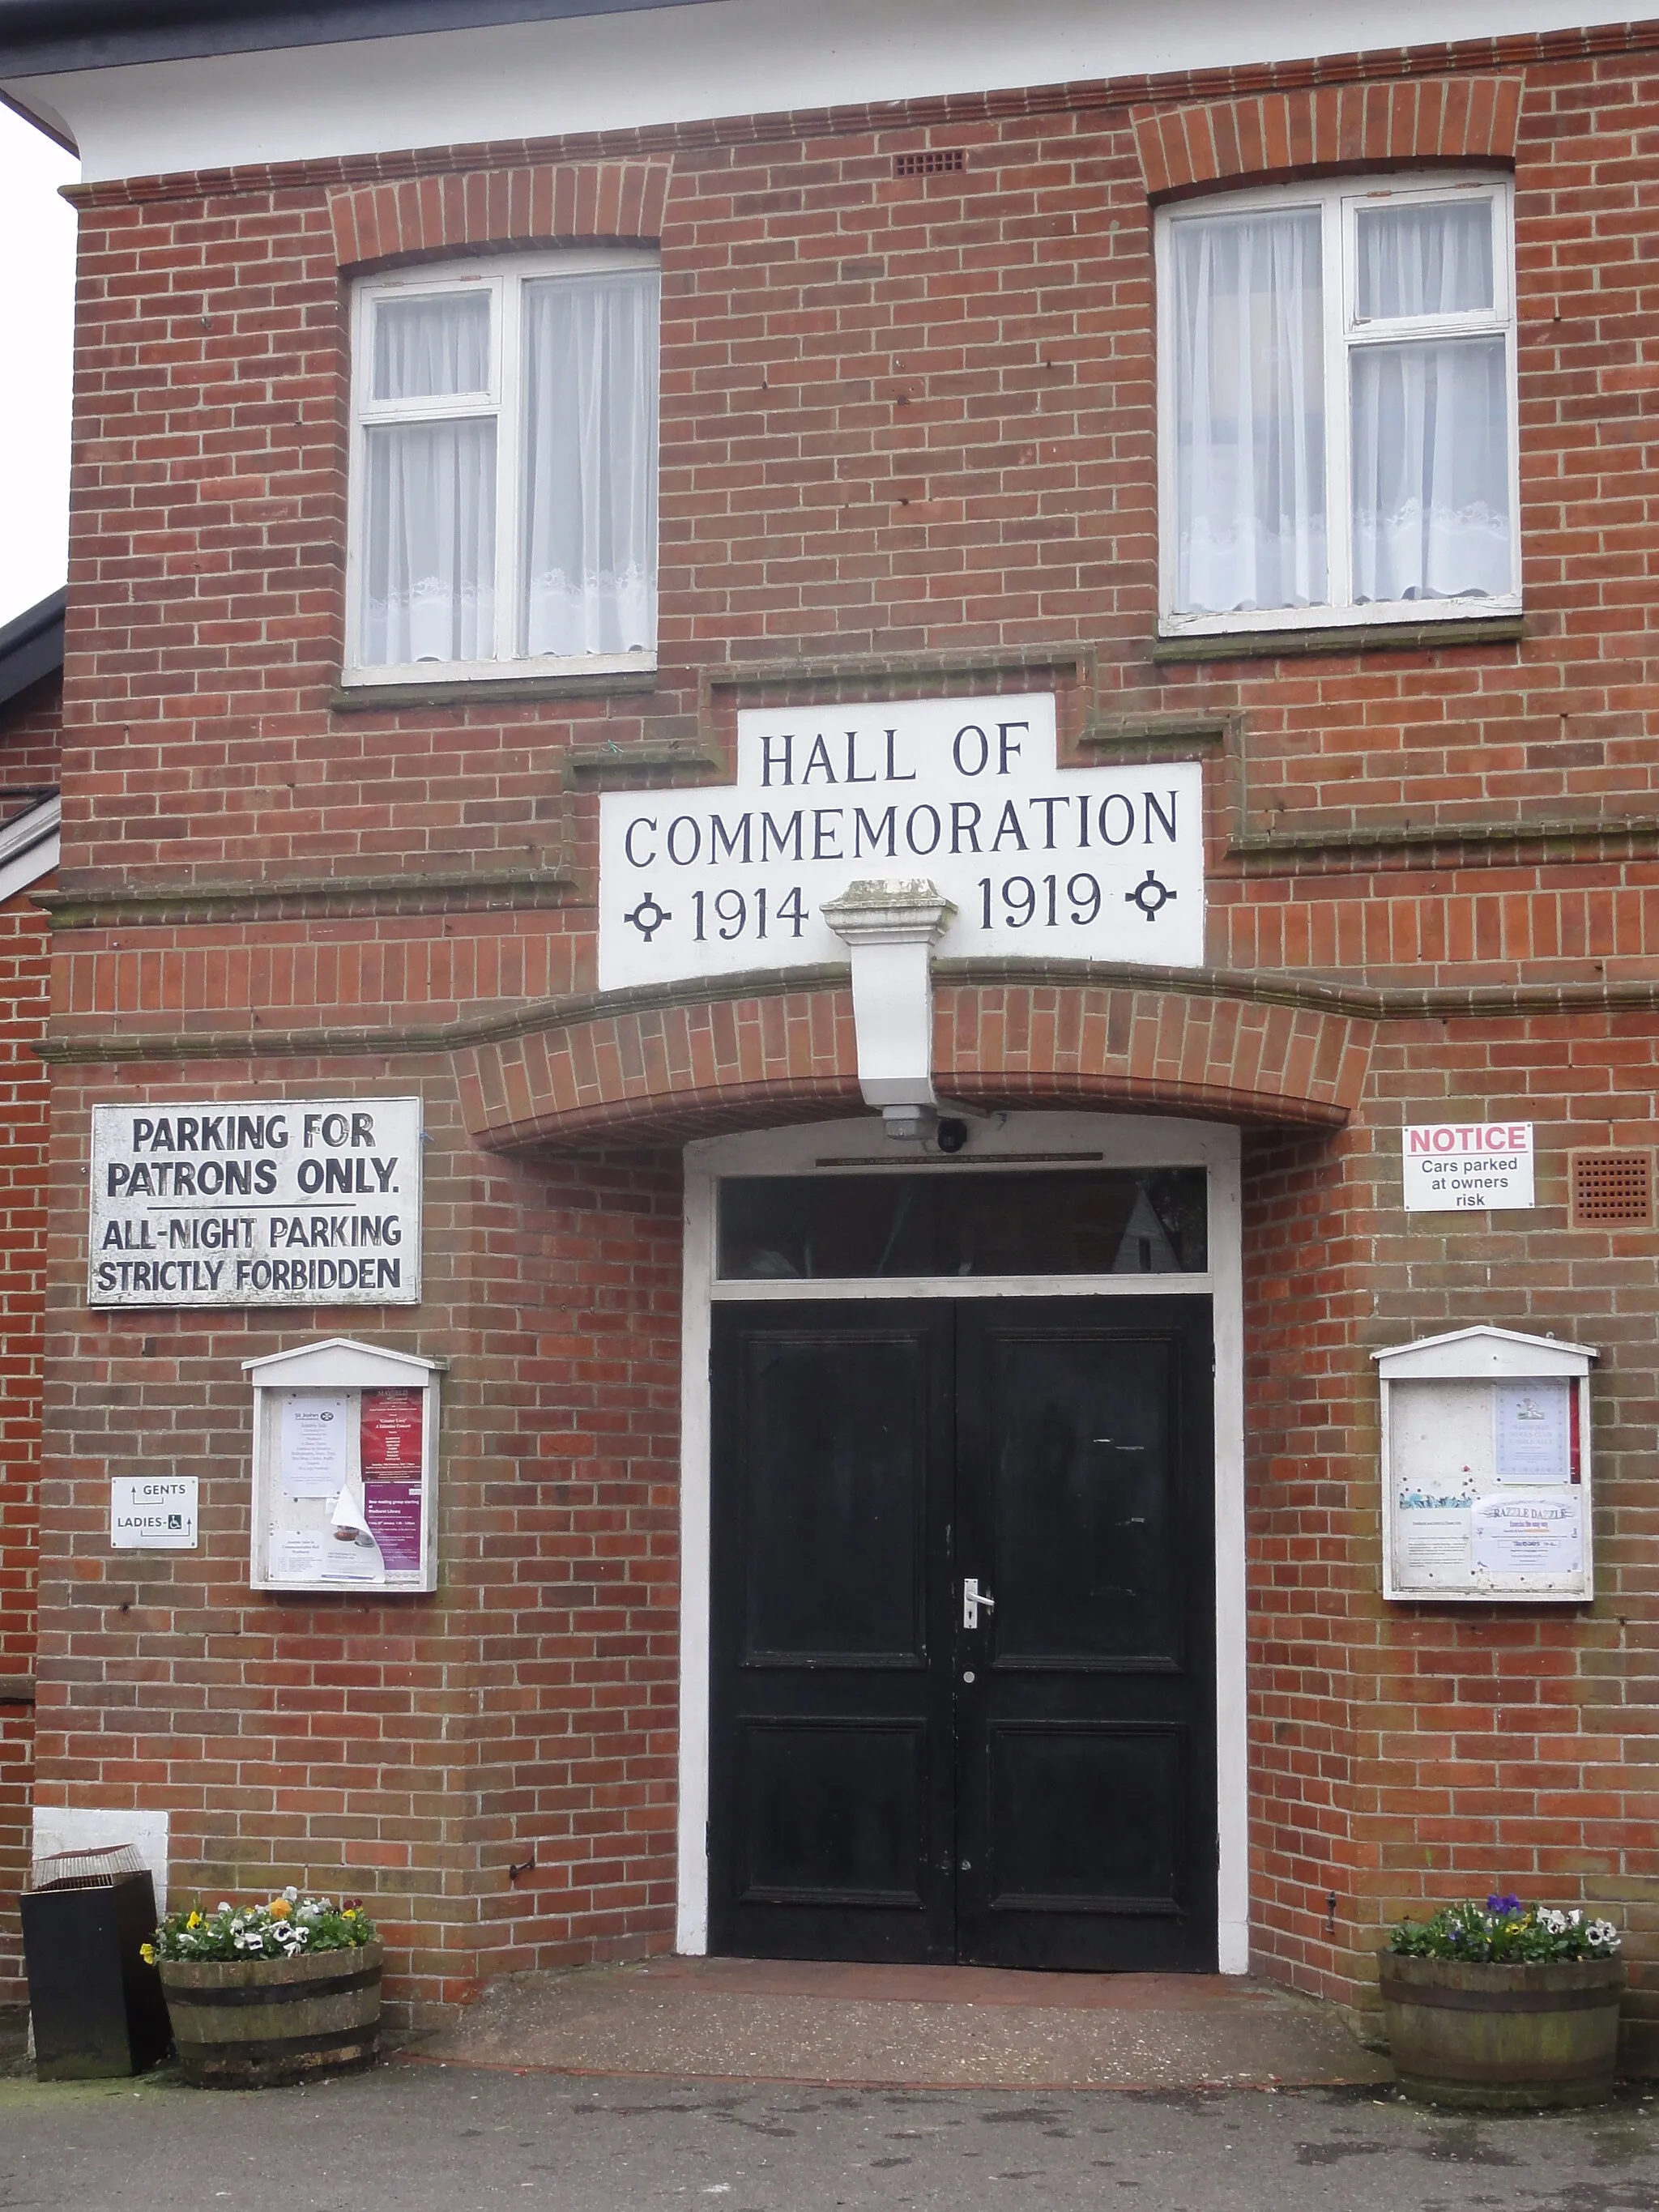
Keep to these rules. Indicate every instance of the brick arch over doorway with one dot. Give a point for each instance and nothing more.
(671, 1067)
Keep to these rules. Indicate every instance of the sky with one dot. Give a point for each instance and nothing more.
(37, 285)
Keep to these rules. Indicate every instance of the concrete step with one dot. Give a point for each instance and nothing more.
(737, 2019)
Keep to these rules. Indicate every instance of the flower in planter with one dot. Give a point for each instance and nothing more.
(282, 1927)
(1504, 1932)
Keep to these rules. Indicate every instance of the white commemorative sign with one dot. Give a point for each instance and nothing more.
(1069, 863)
(283, 1202)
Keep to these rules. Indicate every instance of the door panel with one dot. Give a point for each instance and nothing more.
(1059, 1840)
(836, 1454)
(830, 1806)
(1083, 1516)
(888, 1784)
(1086, 1760)
(829, 1811)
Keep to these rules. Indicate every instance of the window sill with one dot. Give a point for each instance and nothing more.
(490, 690)
(1340, 637)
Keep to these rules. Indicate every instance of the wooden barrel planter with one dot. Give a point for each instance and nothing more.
(1502, 2037)
(260, 2023)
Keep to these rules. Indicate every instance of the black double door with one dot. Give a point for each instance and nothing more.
(898, 1770)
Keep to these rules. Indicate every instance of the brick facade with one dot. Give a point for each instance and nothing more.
(908, 444)
(29, 734)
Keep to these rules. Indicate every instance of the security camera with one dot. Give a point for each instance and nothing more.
(952, 1135)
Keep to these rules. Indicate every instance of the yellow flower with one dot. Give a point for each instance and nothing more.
(194, 1921)
(147, 1953)
(280, 1908)
(350, 1912)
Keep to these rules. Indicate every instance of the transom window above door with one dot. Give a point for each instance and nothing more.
(503, 510)
(976, 1221)
(1337, 409)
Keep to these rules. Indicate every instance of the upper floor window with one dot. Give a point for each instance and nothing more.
(504, 470)
(1337, 410)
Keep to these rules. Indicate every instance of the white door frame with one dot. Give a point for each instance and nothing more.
(1035, 1140)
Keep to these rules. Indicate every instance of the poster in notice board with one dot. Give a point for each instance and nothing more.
(391, 1448)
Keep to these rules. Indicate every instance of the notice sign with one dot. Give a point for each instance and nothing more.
(153, 1512)
(1467, 1167)
(314, 1441)
(393, 1440)
(1039, 861)
(1532, 1424)
(1529, 1535)
(297, 1202)
(390, 1429)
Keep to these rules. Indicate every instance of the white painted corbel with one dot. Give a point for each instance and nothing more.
(890, 929)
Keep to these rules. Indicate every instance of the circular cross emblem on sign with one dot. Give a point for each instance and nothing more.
(1150, 895)
(649, 917)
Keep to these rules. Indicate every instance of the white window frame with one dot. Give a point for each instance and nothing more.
(503, 280)
(1345, 332)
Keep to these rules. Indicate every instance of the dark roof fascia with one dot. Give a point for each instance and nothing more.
(42, 37)
(32, 647)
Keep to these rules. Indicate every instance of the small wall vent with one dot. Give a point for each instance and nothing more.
(1611, 1190)
(937, 162)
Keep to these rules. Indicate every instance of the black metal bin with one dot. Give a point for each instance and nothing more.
(97, 2008)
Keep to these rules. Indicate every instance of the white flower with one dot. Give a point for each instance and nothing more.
(292, 1894)
(1602, 1935)
(1574, 1915)
(1556, 1923)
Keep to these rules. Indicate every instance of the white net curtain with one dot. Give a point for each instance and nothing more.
(582, 438)
(1250, 413)
(589, 496)
(429, 534)
(1430, 448)
(1428, 416)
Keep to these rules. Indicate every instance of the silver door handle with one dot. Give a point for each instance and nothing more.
(973, 1597)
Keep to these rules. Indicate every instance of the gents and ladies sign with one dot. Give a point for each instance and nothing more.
(1040, 862)
(291, 1202)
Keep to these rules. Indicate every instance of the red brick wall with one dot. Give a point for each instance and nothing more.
(898, 414)
(411, 1750)
(28, 755)
(901, 417)
(1407, 1753)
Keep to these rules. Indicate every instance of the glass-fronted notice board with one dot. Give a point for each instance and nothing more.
(1486, 1491)
(344, 1469)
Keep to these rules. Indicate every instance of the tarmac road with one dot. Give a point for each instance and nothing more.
(418, 2137)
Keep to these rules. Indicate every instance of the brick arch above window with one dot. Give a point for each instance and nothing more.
(546, 204)
(1457, 119)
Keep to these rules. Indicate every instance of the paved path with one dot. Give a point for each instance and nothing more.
(906, 2026)
(425, 2138)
